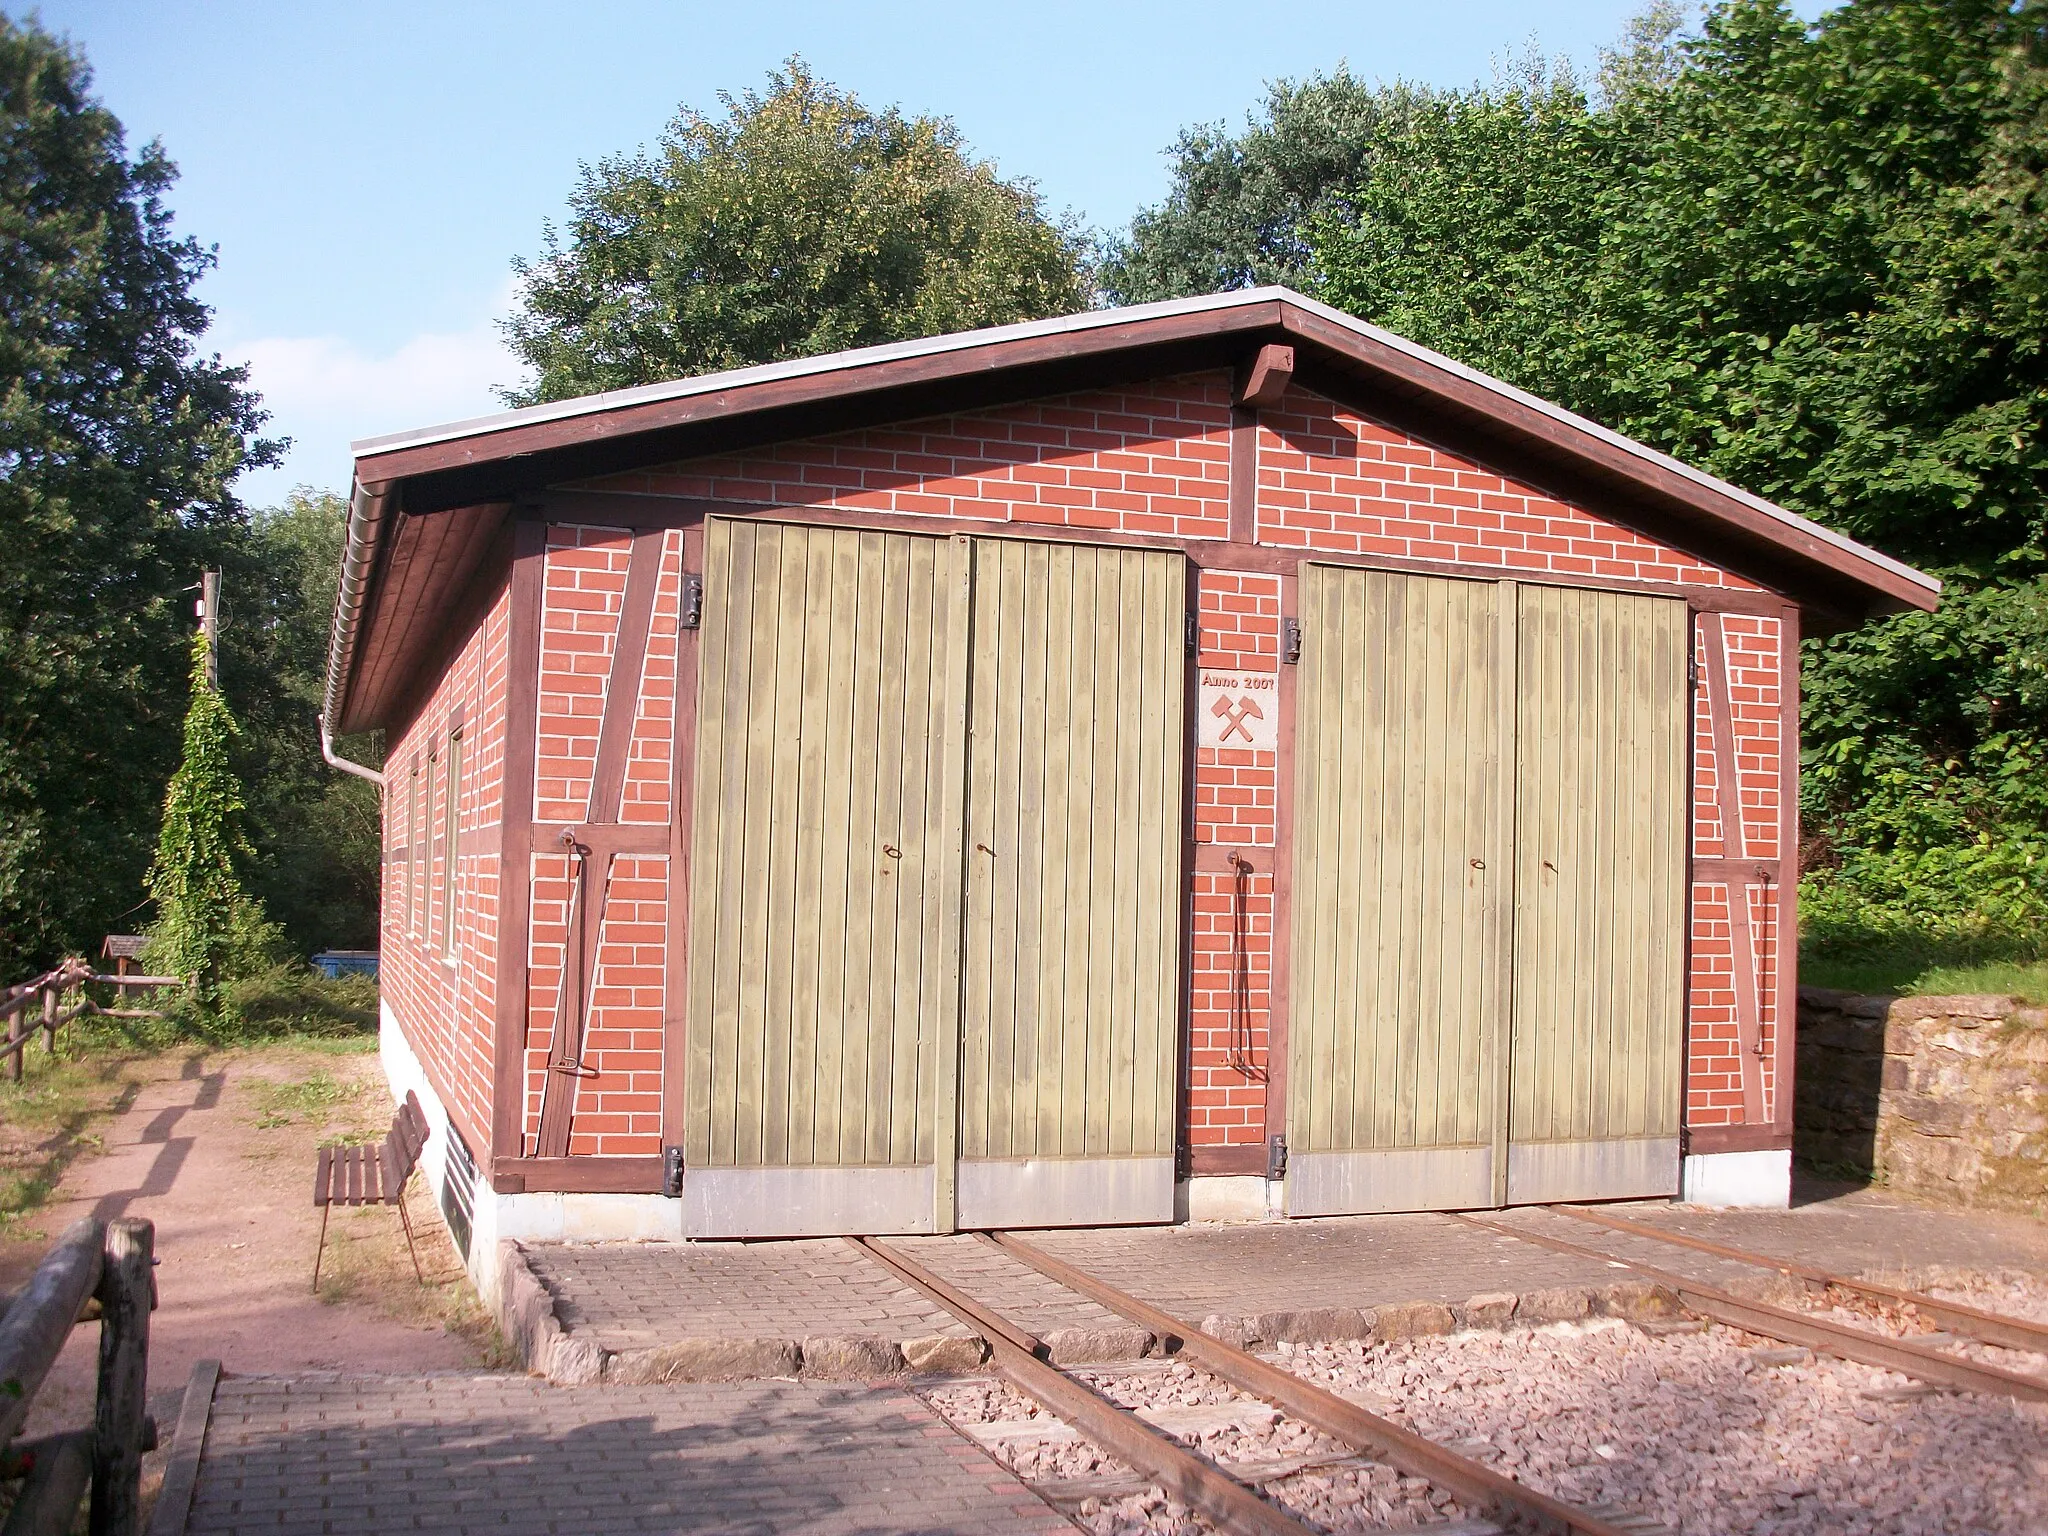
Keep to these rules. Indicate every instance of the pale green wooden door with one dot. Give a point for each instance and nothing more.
(1600, 896)
(823, 980)
(1400, 868)
(1071, 991)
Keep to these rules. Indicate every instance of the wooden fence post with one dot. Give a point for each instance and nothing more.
(50, 996)
(17, 1027)
(126, 1288)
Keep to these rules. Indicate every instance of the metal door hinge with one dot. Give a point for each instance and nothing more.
(1290, 641)
(1193, 634)
(693, 600)
(1276, 1157)
(1692, 671)
(672, 1172)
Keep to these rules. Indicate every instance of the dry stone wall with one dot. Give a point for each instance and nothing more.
(1941, 1097)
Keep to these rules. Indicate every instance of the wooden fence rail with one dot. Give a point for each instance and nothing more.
(49, 989)
(96, 1271)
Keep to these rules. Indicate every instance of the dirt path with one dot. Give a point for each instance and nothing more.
(217, 1150)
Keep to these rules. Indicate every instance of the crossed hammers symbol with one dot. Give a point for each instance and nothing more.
(1235, 715)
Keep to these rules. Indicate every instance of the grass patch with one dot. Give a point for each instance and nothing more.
(50, 1119)
(1917, 975)
(288, 1004)
(1878, 957)
(313, 1099)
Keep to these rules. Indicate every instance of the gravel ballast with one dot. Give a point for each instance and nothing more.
(1704, 1428)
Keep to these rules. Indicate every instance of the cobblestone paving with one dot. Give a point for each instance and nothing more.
(1867, 1232)
(636, 1294)
(1015, 1289)
(365, 1456)
(639, 1294)
(1345, 1261)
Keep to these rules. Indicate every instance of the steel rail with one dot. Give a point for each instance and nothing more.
(1474, 1483)
(1990, 1327)
(1815, 1333)
(1224, 1500)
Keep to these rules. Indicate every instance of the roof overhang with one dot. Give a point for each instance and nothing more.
(477, 467)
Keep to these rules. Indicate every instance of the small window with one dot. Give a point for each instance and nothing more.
(451, 837)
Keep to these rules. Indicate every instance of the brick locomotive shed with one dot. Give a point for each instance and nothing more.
(1209, 758)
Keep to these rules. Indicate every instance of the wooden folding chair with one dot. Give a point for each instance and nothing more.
(345, 1175)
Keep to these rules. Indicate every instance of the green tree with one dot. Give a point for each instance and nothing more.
(204, 918)
(800, 222)
(118, 444)
(1811, 260)
(316, 834)
(1241, 206)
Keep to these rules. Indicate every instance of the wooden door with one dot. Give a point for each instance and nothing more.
(825, 881)
(1600, 896)
(1402, 726)
(1071, 990)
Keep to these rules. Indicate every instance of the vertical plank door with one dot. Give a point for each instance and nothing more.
(1071, 957)
(1599, 987)
(825, 879)
(1401, 824)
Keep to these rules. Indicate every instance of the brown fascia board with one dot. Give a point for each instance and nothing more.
(1588, 470)
(1836, 584)
(517, 458)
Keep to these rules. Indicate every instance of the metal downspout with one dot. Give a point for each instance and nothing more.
(367, 509)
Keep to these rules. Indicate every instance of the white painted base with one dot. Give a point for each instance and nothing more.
(1753, 1180)
(586, 1218)
(1233, 1197)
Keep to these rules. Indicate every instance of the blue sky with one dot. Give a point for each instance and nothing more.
(368, 170)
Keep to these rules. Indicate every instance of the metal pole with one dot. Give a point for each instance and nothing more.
(209, 623)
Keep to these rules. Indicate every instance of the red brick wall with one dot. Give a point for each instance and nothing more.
(1755, 685)
(1237, 796)
(445, 1005)
(1153, 460)
(618, 1107)
(1333, 480)
(1148, 460)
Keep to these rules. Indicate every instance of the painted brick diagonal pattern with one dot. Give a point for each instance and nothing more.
(618, 1106)
(649, 765)
(1714, 1048)
(583, 591)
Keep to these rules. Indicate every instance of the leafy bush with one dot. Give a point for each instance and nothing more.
(1926, 784)
(290, 1000)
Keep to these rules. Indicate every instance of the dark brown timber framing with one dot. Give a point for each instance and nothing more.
(1743, 977)
(469, 472)
(515, 867)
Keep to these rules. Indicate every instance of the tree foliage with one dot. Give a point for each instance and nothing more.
(1810, 259)
(203, 915)
(1242, 206)
(800, 222)
(118, 443)
(316, 834)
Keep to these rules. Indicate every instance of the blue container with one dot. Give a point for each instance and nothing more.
(346, 962)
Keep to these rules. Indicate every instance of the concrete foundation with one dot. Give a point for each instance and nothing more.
(1744, 1180)
(1244, 1197)
(494, 1217)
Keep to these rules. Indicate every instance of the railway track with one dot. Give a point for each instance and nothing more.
(1923, 1362)
(1986, 1327)
(1229, 1503)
